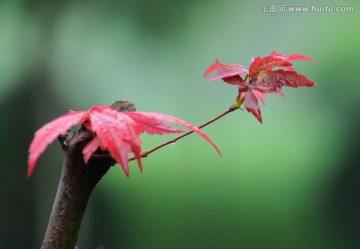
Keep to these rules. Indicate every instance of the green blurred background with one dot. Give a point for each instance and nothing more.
(293, 182)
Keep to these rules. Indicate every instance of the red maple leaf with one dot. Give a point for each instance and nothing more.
(266, 64)
(261, 78)
(115, 132)
(228, 72)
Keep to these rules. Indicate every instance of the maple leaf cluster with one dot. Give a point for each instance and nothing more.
(261, 78)
(114, 131)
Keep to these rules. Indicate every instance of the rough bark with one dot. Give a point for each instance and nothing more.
(76, 184)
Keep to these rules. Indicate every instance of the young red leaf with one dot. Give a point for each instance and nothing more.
(90, 148)
(116, 137)
(134, 132)
(266, 64)
(49, 132)
(291, 57)
(259, 95)
(233, 80)
(280, 78)
(252, 105)
(176, 121)
(211, 68)
(151, 124)
(230, 73)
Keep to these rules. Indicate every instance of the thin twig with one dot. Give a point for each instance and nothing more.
(173, 140)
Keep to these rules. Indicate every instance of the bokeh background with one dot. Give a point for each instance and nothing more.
(293, 182)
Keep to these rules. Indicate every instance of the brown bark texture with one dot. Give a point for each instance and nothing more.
(76, 184)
